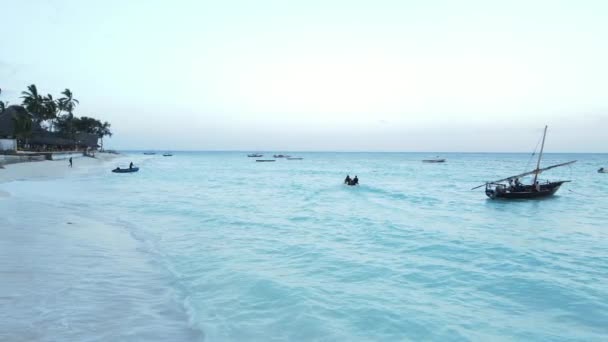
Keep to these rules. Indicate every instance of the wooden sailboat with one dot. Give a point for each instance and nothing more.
(511, 188)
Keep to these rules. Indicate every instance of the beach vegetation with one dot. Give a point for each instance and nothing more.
(3, 104)
(45, 113)
(34, 103)
(22, 124)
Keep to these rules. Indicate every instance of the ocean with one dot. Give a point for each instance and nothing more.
(214, 246)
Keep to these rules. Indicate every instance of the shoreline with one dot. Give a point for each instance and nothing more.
(50, 169)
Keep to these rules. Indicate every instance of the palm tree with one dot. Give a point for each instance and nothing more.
(23, 124)
(68, 102)
(50, 109)
(104, 130)
(34, 103)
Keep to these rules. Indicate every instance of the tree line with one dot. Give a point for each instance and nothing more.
(53, 115)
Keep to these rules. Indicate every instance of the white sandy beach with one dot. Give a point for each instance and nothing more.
(50, 169)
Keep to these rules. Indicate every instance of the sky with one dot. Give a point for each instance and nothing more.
(451, 76)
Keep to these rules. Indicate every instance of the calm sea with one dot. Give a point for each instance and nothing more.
(217, 247)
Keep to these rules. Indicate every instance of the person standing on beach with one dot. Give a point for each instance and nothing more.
(70, 161)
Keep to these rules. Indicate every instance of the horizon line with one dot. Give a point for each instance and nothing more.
(339, 151)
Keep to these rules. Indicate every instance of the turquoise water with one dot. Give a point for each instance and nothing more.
(213, 246)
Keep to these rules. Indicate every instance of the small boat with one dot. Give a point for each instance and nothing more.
(281, 156)
(167, 155)
(265, 160)
(433, 160)
(291, 158)
(149, 153)
(351, 182)
(602, 170)
(511, 188)
(255, 155)
(126, 170)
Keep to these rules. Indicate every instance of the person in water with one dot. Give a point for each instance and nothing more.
(130, 165)
(347, 180)
(70, 161)
(355, 181)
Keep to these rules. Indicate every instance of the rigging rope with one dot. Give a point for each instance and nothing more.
(533, 153)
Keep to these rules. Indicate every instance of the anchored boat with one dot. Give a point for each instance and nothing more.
(511, 188)
(433, 161)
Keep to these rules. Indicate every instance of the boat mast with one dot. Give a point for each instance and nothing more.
(540, 155)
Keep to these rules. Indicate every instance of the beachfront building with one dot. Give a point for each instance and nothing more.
(45, 141)
(18, 131)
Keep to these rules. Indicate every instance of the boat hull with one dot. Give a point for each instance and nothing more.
(434, 161)
(525, 191)
(135, 169)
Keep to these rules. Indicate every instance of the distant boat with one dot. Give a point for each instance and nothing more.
(149, 153)
(265, 160)
(126, 170)
(255, 155)
(602, 170)
(167, 155)
(433, 161)
(511, 188)
(281, 156)
(291, 158)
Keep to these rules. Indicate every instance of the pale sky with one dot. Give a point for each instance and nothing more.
(320, 75)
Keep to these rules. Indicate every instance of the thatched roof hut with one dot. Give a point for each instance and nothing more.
(7, 120)
(42, 137)
(87, 140)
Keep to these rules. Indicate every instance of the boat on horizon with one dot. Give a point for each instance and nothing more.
(602, 170)
(511, 188)
(255, 155)
(281, 156)
(167, 155)
(149, 153)
(265, 160)
(436, 160)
